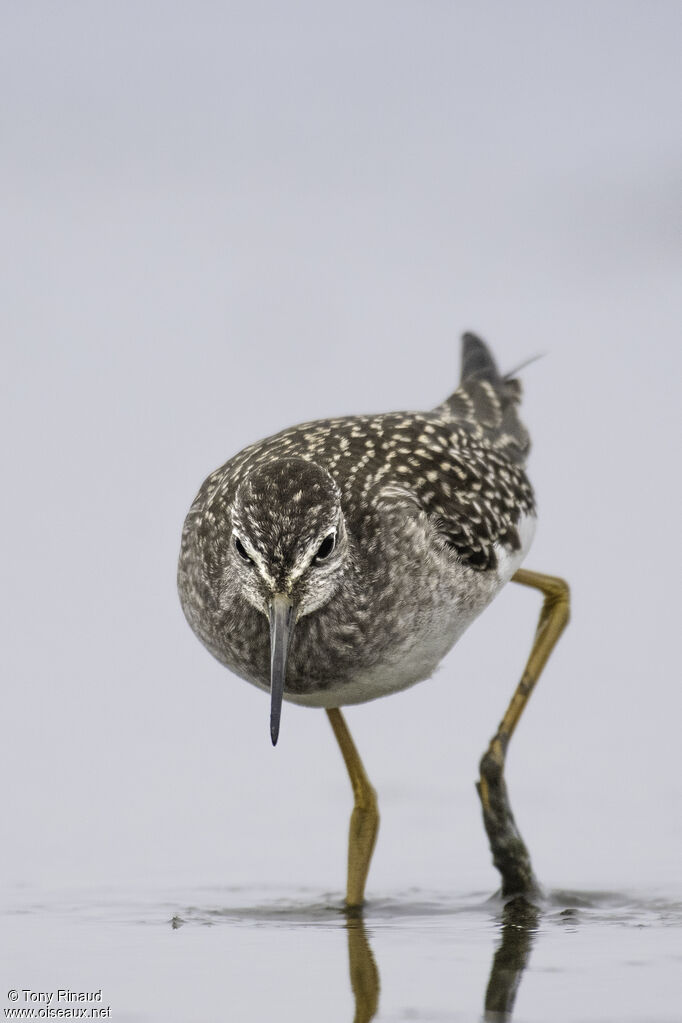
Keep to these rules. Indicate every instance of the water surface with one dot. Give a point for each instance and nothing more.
(247, 954)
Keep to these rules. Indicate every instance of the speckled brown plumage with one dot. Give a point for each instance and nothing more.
(429, 514)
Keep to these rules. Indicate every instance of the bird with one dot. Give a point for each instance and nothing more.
(340, 560)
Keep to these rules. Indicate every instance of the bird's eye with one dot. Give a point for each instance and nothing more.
(241, 551)
(326, 547)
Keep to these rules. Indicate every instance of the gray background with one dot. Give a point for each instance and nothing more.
(221, 219)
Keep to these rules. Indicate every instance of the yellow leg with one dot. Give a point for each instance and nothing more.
(364, 822)
(509, 851)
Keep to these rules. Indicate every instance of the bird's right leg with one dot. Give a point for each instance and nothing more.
(364, 822)
(510, 854)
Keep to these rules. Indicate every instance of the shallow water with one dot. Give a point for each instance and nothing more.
(209, 954)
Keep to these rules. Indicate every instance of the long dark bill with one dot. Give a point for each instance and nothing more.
(281, 628)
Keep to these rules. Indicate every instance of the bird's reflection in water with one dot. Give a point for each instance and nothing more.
(518, 926)
(364, 975)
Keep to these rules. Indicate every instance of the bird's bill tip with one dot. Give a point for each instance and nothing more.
(281, 628)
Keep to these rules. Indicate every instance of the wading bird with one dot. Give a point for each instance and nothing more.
(340, 560)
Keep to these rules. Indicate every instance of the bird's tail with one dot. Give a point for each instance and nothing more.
(489, 400)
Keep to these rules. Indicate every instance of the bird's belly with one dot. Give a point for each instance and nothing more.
(320, 679)
(409, 663)
(463, 594)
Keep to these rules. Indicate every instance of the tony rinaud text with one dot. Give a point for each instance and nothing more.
(60, 996)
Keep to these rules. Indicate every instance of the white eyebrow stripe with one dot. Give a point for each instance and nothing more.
(310, 553)
(297, 572)
(262, 569)
(258, 560)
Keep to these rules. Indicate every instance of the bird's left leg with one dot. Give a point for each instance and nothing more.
(364, 822)
(510, 854)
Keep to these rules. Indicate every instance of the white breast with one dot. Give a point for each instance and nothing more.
(418, 657)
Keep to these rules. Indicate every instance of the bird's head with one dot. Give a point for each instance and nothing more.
(287, 553)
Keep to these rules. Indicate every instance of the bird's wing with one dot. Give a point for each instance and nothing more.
(473, 494)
